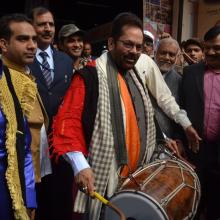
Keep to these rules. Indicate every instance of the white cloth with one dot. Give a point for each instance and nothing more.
(77, 161)
(159, 89)
(45, 163)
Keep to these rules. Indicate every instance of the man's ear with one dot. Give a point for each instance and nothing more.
(3, 45)
(111, 43)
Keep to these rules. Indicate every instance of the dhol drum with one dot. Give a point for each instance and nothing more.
(165, 189)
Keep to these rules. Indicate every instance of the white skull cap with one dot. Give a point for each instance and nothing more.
(149, 34)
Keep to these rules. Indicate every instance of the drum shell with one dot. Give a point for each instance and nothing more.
(170, 184)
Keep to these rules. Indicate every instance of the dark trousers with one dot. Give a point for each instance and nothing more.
(55, 194)
(207, 163)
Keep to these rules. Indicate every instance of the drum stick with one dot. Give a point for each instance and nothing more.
(108, 203)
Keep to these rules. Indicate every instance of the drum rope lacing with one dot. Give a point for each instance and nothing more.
(164, 201)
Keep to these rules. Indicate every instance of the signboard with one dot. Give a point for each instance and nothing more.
(158, 16)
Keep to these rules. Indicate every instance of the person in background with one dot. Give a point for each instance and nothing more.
(87, 51)
(110, 120)
(51, 68)
(201, 99)
(18, 94)
(166, 55)
(53, 72)
(193, 51)
(71, 42)
(104, 49)
(148, 44)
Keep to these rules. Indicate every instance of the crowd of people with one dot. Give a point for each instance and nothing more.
(72, 124)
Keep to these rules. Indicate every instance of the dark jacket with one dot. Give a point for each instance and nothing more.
(63, 71)
(192, 97)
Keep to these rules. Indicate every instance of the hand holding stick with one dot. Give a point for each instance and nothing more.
(108, 203)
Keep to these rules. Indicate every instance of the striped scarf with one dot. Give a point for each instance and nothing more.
(102, 151)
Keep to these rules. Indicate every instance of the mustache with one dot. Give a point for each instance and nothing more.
(212, 56)
(47, 34)
(132, 56)
(164, 62)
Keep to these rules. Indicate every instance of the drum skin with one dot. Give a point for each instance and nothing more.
(170, 184)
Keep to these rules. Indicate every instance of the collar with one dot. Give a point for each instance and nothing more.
(208, 67)
(48, 50)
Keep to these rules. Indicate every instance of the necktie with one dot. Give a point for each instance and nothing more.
(132, 131)
(46, 68)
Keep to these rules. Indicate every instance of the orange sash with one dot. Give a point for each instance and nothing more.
(132, 131)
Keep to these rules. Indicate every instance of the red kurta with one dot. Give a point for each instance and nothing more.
(67, 126)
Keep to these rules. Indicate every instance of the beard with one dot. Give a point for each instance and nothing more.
(165, 67)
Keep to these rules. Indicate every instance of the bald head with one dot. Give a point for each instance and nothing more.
(166, 54)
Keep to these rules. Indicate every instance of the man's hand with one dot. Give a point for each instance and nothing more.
(171, 144)
(85, 180)
(175, 148)
(164, 35)
(193, 139)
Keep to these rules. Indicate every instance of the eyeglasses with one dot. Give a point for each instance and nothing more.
(130, 45)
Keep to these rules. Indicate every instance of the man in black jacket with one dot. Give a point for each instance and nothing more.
(201, 100)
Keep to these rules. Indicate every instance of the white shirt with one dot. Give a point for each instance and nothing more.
(151, 74)
(45, 163)
(50, 61)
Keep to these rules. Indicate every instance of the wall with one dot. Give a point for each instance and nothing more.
(189, 19)
(208, 14)
(175, 18)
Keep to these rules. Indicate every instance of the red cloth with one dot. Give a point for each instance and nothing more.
(67, 126)
(91, 63)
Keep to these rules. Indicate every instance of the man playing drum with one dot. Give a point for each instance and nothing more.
(107, 116)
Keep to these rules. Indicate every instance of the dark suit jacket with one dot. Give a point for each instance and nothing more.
(192, 100)
(63, 71)
(207, 160)
(192, 97)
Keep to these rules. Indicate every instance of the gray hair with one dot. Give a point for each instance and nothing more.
(167, 40)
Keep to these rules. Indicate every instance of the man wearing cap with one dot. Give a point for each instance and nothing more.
(71, 42)
(53, 71)
(148, 44)
(193, 51)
